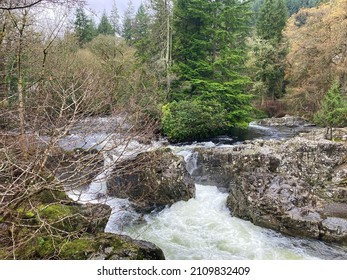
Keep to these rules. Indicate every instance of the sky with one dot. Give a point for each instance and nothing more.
(98, 6)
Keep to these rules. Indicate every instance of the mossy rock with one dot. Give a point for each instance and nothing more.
(104, 246)
(77, 249)
(50, 196)
(55, 212)
(118, 247)
(61, 216)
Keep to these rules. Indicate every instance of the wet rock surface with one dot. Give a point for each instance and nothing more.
(151, 180)
(296, 186)
(288, 121)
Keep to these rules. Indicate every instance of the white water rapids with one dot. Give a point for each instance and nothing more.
(201, 228)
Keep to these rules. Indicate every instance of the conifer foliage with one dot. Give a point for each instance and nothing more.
(208, 54)
(84, 26)
(333, 110)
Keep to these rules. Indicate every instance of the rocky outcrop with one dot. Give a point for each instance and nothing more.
(297, 187)
(288, 121)
(152, 179)
(54, 227)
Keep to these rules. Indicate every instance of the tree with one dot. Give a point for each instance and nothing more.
(333, 110)
(115, 19)
(160, 47)
(295, 5)
(141, 32)
(128, 23)
(105, 26)
(317, 55)
(266, 63)
(84, 27)
(61, 84)
(10, 5)
(209, 53)
(271, 20)
(267, 55)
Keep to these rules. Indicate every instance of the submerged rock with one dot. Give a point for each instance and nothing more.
(152, 179)
(297, 187)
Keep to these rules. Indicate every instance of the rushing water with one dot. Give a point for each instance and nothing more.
(201, 228)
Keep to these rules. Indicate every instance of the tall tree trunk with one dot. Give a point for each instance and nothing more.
(3, 74)
(21, 26)
(168, 49)
(21, 106)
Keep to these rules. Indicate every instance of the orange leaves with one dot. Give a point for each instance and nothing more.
(318, 51)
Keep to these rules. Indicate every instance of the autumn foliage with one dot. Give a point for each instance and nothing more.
(317, 56)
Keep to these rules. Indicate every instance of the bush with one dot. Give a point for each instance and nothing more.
(333, 110)
(193, 120)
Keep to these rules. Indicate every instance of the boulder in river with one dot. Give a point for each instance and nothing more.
(297, 187)
(152, 179)
(287, 121)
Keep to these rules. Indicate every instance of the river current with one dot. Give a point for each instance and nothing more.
(201, 228)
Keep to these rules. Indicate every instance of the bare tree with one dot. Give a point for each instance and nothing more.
(55, 89)
(9, 5)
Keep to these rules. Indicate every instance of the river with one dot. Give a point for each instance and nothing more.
(202, 228)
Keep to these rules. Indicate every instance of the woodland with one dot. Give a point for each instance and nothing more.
(183, 69)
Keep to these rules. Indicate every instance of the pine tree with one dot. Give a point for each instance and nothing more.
(333, 111)
(267, 57)
(115, 20)
(271, 20)
(84, 27)
(128, 23)
(141, 31)
(160, 46)
(105, 26)
(209, 55)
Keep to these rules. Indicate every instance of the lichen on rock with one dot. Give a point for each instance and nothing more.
(294, 186)
(151, 180)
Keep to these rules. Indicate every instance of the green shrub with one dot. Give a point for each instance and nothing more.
(333, 110)
(193, 120)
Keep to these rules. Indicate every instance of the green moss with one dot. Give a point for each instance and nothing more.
(77, 249)
(61, 216)
(55, 212)
(26, 214)
(49, 196)
(46, 247)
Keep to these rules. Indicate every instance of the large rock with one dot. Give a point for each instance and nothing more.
(297, 187)
(54, 227)
(288, 121)
(152, 179)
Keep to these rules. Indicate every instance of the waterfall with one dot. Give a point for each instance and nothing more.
(201, 228)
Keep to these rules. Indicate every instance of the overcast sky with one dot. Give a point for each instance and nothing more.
(98, 6)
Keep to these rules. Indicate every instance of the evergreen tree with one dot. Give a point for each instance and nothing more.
(267, 57)
(294, 6)
(271, 20)
(160, 45)
(84, 27)
(333, 111)
(161, 29)
(105, 26)
(141, 31)
(115, 20)
(209, 54)
(128, 23)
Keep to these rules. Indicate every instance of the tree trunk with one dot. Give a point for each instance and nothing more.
(168, 50)
(329, 133)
